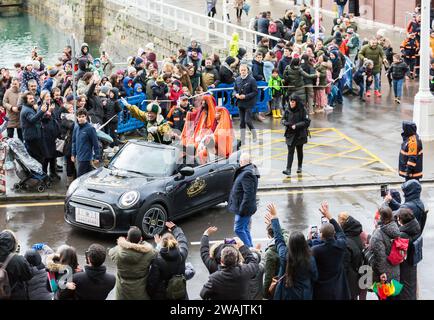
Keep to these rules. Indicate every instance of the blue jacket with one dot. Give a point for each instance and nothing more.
(304, 279)
(31, 123)
(85, 143)
(329, 257)
(249, 88)
(242, 200)
(283, 63)
(48, 84)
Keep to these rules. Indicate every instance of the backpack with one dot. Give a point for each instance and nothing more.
(176, 287)
(272, 27)
(5, 286)
(398, 252)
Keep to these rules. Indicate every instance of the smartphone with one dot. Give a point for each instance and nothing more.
(384, 189)
(314, 232)
(324, 220)
(230, 241)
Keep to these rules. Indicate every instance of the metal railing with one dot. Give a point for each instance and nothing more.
(196, 25)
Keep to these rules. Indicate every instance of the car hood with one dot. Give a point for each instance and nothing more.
(112, 182)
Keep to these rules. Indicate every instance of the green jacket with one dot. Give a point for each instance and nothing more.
(376, 55)
(271, 262)
(322, 69)
(132, 261)
(275, 85)
(354, 43)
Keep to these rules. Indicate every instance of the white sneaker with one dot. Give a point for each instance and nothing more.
(328, 108)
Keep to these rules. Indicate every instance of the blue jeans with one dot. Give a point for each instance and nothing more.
(241, 229)
(377, 81)
(362, 89)
(341, 10)
(397, 87)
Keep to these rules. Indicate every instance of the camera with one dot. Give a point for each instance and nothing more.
(230, 241)
(384, 189)
(314, 232)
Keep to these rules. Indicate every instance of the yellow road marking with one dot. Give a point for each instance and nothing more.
(37, 204)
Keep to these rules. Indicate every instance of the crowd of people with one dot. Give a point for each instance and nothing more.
(305, 76)
(324, 265)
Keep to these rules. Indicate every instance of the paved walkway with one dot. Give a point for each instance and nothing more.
(277, 8)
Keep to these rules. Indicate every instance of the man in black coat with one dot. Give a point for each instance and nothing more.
(246, 92)
(18, 269)
(30, 119)
(242, 200)
(231, 282)
(329, 256)
(94, 283)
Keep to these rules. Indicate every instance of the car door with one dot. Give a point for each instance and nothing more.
(194, 191)
(224, 173)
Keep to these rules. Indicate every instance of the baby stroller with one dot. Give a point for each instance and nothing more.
(28, 170)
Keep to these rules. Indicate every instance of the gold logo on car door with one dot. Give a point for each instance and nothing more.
(196, 187)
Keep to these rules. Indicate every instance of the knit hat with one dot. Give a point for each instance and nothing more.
(131, 70)
(302, 24)
(230, 60)
(138, 61)
(53, 72)
(153, 107)
(70, 98)
(33, 258)
(105, 90)
(177, 83)
(36, 64)
(140, 52)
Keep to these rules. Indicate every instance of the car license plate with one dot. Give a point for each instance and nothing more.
(87, 217)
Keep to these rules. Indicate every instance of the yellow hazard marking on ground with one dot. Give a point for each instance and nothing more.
(325, 146)
(37, 204)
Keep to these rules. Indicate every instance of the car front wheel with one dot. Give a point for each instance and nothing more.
(153, 221)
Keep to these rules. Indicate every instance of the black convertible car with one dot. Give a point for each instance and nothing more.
(145, 185)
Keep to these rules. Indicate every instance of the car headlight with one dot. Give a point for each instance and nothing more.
(72, 187)
(129, 199)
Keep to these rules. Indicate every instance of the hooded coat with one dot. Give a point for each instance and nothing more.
(374, 54)
(226, 74)
(95, 106)
(168, 262)
(353, 256)
(411, 155)
(412, 190)
(132, 262)
(37, 286)
(381, 245)
(298, 117)
(408, 273)
(18, 268)
(294, 77)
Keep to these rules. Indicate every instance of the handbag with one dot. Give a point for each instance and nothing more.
(416, 255)
(60, 145)
(274, 282)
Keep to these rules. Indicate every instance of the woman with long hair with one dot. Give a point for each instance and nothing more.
(298, 270)
(169, 262)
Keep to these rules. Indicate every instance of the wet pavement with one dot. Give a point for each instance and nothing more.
(297, 210)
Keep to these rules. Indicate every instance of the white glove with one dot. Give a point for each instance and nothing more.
(152, 130)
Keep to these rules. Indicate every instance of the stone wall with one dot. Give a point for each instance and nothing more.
(118, 31)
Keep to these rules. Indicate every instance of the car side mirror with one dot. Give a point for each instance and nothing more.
(187, 171)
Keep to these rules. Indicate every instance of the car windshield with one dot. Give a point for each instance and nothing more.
(145, 160)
